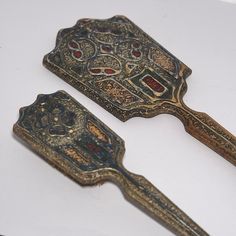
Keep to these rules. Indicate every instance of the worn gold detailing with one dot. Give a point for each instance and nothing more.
(130, 74)
(117, 92)
(97, 132)
(86, 150)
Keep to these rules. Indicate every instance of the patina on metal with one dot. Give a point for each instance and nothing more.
(78, 144)
(129, 74)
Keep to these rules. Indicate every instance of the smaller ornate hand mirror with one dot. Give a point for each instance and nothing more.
(77, 143)
(129, 74)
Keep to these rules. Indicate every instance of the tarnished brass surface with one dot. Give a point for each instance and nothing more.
(129, 74)
(78, 144)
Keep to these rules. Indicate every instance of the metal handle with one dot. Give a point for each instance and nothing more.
(206, 130)
(147, 197)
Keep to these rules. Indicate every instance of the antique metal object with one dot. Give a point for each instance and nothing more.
(129, 74)
(77, 143)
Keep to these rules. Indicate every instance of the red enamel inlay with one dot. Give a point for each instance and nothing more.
(94, 148)
(96, 71)
(153, 84)
(106, 48)
(73, 44)
(109, 71)
(136, 53)
(77, 54)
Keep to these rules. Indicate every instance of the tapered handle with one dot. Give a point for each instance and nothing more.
(205, 129)
(146, 196)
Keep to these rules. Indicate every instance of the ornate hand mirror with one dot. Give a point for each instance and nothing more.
(129, 74)
(77, 143)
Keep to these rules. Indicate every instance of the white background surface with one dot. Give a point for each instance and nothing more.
(36, 199)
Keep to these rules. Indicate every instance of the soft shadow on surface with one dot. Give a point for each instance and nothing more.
(100, 183)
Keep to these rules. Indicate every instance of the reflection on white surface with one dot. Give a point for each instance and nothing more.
(230, 1)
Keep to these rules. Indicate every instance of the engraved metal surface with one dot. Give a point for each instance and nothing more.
(118, 65)
(129, 74)
(77, 143)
